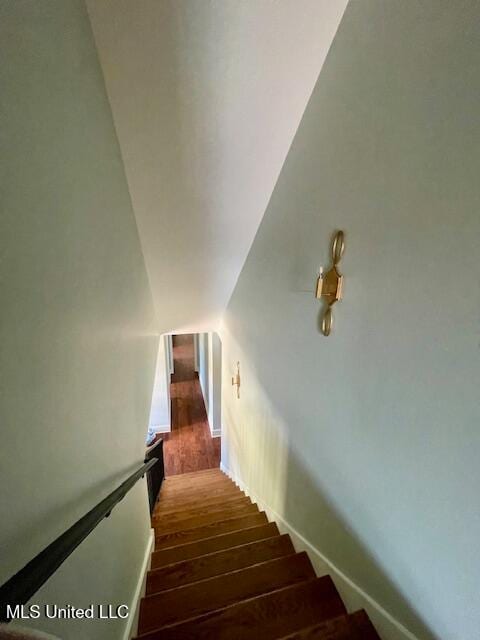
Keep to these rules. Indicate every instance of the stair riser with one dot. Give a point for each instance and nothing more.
(196, 508)
(268, 617)
(191, 496)
(218, 563)
(166, 557)
(182, 603)
(169, 525)
(162, 511)
(207, 531)
(197, 485)
(356, 626)
(197, 474)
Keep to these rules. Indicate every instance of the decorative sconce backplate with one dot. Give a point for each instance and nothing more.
(329, 284)
(236, 380)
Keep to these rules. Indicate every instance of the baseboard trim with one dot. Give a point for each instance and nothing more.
(131, 627)
(215, 433)
(353, 596)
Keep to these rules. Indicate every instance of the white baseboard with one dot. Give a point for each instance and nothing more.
(161, 428)
(215, 433)
(131, 627)
(352, 595)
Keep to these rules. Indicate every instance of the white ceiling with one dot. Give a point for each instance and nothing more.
(206, 97)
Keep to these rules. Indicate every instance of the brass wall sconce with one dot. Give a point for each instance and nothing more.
(329, 284)
(236, 380)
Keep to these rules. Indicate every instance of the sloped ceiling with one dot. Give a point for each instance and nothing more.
(206, 97)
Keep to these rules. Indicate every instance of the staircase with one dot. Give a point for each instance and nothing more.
(221, 571)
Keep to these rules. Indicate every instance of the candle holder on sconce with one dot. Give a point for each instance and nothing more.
(329, 284)
(236, 380)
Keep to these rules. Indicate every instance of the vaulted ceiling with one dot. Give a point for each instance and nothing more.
(206, 97)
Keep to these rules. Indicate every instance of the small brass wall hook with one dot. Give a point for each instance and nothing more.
(236, 380)
(329, 284)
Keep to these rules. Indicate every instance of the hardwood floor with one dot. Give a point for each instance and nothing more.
(189, 446)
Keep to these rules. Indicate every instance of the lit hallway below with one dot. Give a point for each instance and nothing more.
(189, 446)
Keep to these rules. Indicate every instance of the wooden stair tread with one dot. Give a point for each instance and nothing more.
(170, 498)
(198, 509)
(217, 563)
(187, 495)
(174, 538)
(195, 474)
(356, 626)
(162, 509)
(193, 519)
(195, 484)
(182, 490)
(214, 543)
(268, 616)
(181, 603)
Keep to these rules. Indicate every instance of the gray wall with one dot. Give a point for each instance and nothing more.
(210, 376)
(203, 368)
(78, 344)
(215, 404)
(160, 408)
(368, 441)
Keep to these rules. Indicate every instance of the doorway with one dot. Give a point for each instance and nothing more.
(190, 445)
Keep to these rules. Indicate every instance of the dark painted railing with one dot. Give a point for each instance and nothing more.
(156, 474)
(23, 585)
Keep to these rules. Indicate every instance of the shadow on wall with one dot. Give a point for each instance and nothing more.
(277, 476)
(326, 525)
(261, 449)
